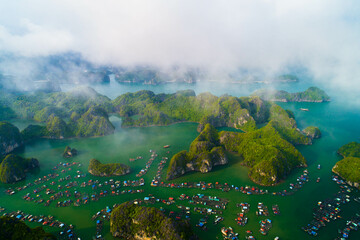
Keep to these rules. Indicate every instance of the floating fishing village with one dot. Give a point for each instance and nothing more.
(68, 186)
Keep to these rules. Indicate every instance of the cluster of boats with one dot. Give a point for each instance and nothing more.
(93, 190)
(265, 226)
(351, 225)
(99, 218)
(134, 159)
(329, 209)
(148, 164)
(66, 230)
(209, 201)
(228, 233)
(157, 178)
(241, 219)
(249, 190)
(262, 210)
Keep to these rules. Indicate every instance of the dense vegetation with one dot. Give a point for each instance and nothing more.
(205, 152)
(349, 169)
(86, 109)
(110, 169)
(269, 157)
(13, 168)
(130, 221)
(312, 132)
(84, 113)
(14, 229)
(10, 138)
(351, 149)
(244, 113)
(312, 94)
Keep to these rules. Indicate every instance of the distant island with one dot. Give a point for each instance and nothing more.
(349, 167)
(12, 228)
(130, 221)
(13, 168)
(312, 94)
(106, 170)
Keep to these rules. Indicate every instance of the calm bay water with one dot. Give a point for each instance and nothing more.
(337, 121)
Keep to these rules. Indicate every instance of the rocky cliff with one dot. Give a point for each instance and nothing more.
(349, 169)
(130, 221)
(10, 138)
(205, 152)
(106, 170)
(13, 168)
(312, 132)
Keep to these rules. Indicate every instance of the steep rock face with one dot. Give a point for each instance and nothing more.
(312, 132)
(13, 168)
(57, 128)
(94, 122)
(349, 169)
(269, 157)
(106, 170)
(203, 155)
(32, 132)
(130, 221)
(10, 138)
(69, 152)
(282, 121)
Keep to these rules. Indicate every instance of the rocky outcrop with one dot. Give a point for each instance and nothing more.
(10, 138)
(349, 169)
(94, 122)
(69, 152)
(204, 153)
(130, 221)
(312, 132)
(13, 168)
(106, 170)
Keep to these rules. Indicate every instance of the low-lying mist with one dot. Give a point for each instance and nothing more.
(250, 41)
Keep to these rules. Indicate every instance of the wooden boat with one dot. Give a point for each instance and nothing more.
(166, 146)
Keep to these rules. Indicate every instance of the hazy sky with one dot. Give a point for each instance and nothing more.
(323, 35)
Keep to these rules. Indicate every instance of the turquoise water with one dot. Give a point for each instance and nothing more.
(337, 121)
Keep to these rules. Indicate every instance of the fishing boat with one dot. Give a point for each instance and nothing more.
(304, 109)
(318, 179)
(166, 146)
(319, 166)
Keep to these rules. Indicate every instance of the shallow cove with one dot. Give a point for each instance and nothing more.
(338, 123)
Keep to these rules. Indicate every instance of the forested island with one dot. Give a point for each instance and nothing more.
(312, 94)
(85, 113)
(12, 228)
(349, 167)
(106, 170)
(205, 152)
(13, 168)
(130, 221)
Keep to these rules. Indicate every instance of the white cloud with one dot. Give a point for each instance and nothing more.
(323, 35)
